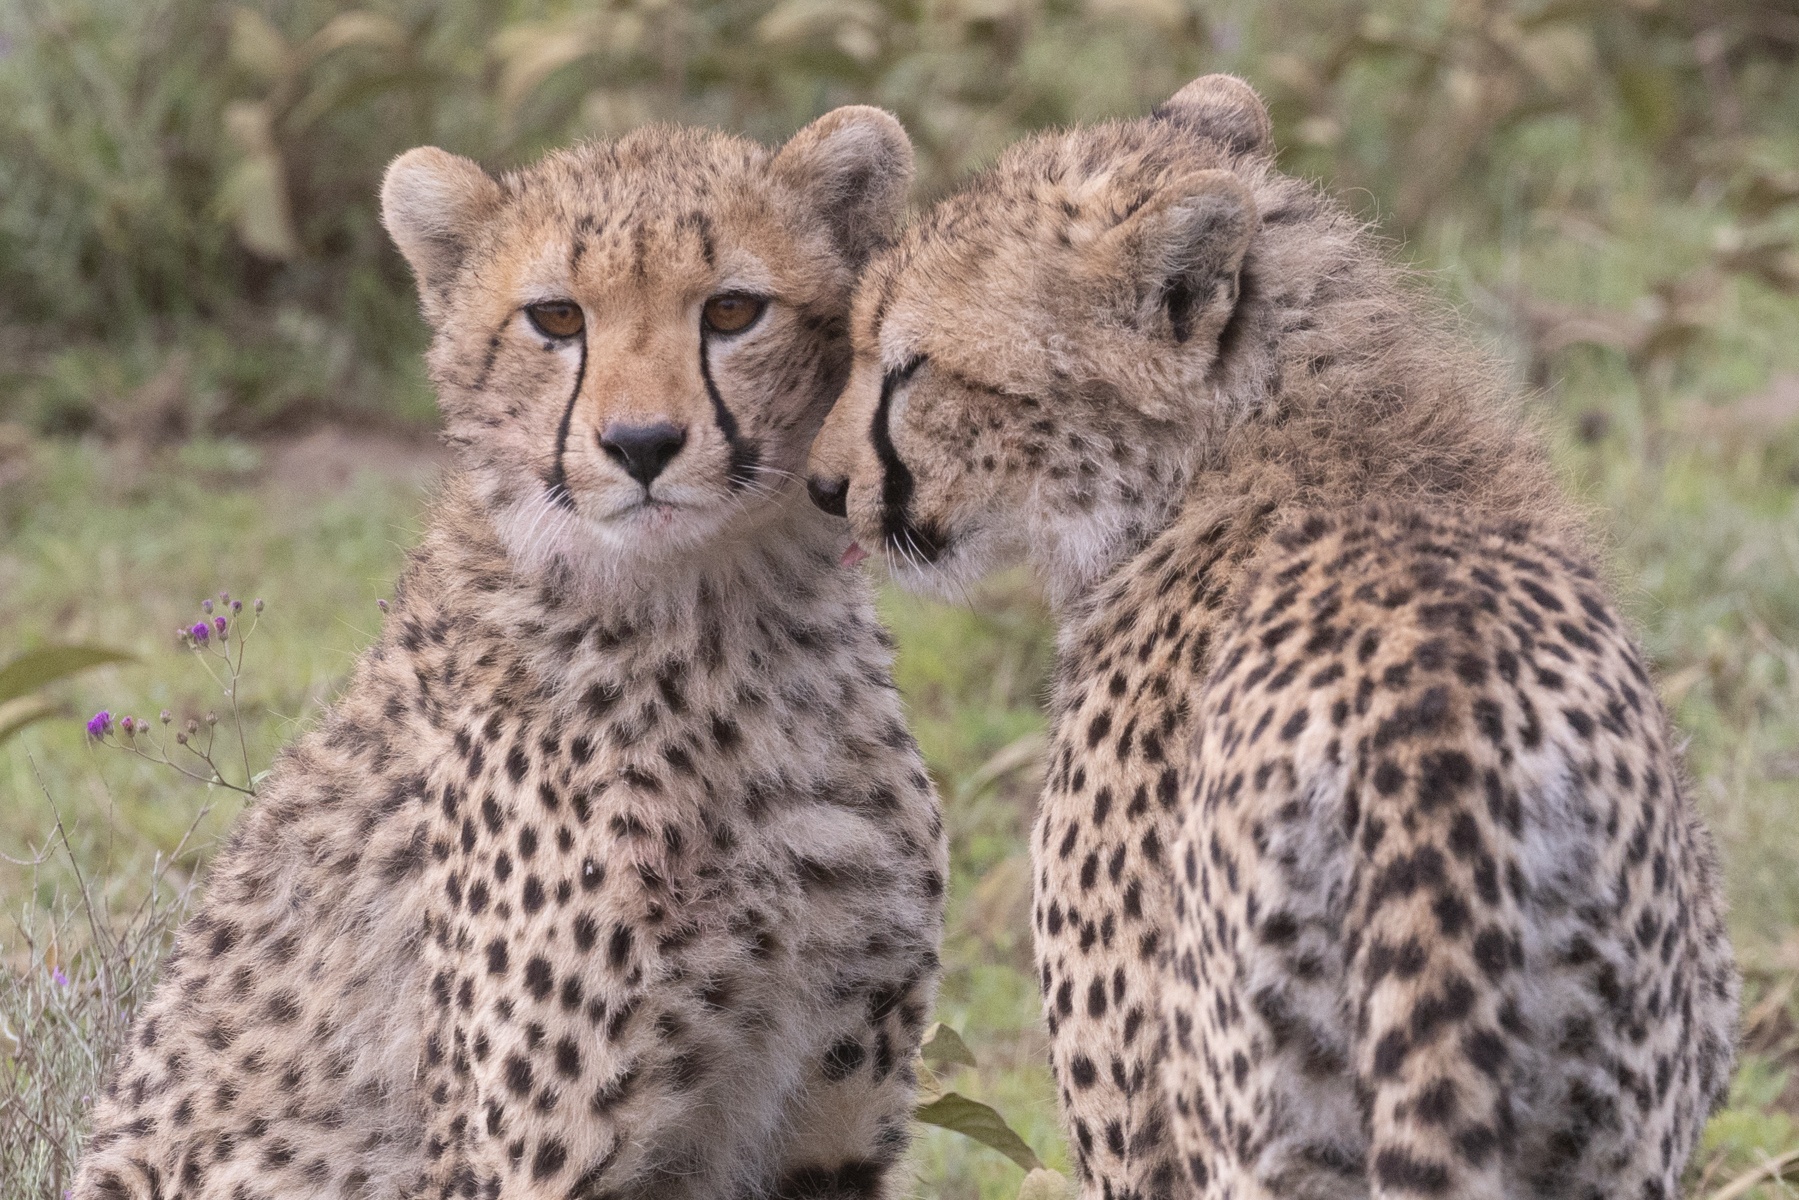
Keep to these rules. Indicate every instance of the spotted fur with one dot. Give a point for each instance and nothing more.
(614, 872)
(1365, 865)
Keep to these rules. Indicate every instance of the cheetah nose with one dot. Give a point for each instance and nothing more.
(642, 450)
(829, 494)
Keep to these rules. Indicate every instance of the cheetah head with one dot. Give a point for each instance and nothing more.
(635, 341)
(1041, 360)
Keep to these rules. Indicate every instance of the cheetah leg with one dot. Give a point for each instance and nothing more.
(1339, 992)
(1258, 1072)
(1436, 943)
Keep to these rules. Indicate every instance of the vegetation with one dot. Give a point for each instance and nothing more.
(192, 277)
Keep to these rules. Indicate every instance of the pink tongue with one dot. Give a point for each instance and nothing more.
(854, 555)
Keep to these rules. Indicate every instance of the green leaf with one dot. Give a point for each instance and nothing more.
(26, 710)
(35, 668)
(944, 1047)
(982, 1122)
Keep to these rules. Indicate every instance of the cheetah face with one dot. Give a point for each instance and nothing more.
(1037, 361)
(634, 342)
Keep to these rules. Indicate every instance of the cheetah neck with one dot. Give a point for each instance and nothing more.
(463, 578)
(1341, 387)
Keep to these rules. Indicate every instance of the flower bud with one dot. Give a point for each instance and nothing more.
(181, 739)
(202, 632)
(381, 604)
(128, 727)
(212, 718)
(166, 716)
(257, 606)
(237, 606)
(218, 623)
(192, 725)
(206, 606)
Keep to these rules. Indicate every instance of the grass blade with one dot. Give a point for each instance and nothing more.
(35, 668)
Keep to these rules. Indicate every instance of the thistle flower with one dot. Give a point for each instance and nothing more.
(257, 606)
(237, 606)
(202, 632)
(100, 724)
(57, 977)
(166, 716)
(206, 606)
(218, 623)
(128, 726)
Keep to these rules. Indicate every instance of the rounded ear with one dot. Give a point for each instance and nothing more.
(855, 165)
(1185, 251)
(1224, 109)
(432, 202)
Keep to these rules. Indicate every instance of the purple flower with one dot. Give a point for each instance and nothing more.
(205, 606)
(100, 724)
(201, 632)
(58, 978)
(218, 623)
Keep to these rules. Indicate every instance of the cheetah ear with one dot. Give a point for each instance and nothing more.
(1186, 252)
(855, 165)
(432, 203)
(1222, 108)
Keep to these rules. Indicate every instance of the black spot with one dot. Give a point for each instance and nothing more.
(843, 1058)
(539, 978)
(1397, 1170)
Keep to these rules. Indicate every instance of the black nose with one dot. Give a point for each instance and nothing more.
(829, 494)
(643, 450)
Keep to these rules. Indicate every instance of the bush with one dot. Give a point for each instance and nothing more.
(187, 188)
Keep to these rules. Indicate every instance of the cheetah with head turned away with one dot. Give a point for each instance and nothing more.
(614, 873)
(1364, 864)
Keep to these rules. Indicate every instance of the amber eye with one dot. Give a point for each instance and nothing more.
(732, 312)
(556, 318)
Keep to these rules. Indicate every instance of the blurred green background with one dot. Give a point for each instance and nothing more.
(210, 378)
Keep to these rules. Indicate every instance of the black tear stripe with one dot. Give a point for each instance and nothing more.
(897, 484)
(745, 457)
(488, 359)
(557, 483)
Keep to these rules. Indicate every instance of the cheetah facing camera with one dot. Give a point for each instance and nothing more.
(614, 873)
(1364, 864)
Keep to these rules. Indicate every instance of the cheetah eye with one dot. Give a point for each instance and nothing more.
(732, 312)
(556, 318)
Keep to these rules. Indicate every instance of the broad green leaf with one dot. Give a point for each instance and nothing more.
(1044, 1184)
(35, 668)
(944, 1047)
(26, 710)
(982, 1122)
(254, 194)
(347, 30)
(258, 46)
